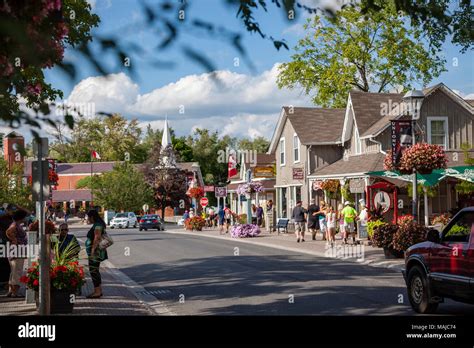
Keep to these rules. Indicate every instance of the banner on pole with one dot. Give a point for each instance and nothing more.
(402, 131)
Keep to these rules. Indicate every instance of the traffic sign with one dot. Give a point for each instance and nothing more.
(204, 202)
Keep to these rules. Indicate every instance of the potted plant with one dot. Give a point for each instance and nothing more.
(195, 223)
(383, 238)
(244, 231)
(66, 276)
(408, 234)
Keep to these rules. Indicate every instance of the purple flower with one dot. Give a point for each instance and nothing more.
(244, 231)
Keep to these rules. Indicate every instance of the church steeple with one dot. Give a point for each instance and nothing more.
(167, 147)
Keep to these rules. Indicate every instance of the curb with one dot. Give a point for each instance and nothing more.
(149, 301)
(366, 262)
(154, 305)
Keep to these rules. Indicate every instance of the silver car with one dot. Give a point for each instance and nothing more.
(124, 220)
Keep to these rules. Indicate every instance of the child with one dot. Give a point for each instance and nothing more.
(331, 226)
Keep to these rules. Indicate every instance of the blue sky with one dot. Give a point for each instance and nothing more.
(248, 105)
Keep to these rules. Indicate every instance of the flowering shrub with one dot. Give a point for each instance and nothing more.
(195, 223)
(49, 227)
(372, 226)
(441, 219)
(383, 235)
(68, 276)
(244, 231)
(248, 188)
(330, 185)
(53, 177)
(196, 192)
(409, 234)
(424, 158)
(405, 219)
(387, 162)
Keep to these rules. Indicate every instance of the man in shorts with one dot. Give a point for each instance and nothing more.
(299, 218)
(349, 214)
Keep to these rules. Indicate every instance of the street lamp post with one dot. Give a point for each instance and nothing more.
(413, 99)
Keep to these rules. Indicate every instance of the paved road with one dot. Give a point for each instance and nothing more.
(203, 276)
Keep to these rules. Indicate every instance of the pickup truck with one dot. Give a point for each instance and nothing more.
(443, 266)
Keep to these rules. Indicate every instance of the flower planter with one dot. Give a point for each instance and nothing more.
(60, 301)
(392, 253)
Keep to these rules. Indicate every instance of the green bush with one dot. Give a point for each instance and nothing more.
(372, 225)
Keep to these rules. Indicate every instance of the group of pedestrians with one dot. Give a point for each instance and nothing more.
(327, 220)
(13, 226)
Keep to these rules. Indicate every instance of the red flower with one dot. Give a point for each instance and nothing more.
(35, 282)
(24, 279)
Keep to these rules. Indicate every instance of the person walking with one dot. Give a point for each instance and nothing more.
(313, 218)
(363, 217)
(5, 221)
(94, 253)
(349, 214)
(221, 215)
(228, 218)
(340, 220)
(259, 215)
(331, 226)
(16, 236)
(299, 217)
(67, 214)
(322, 218)
(254, 214)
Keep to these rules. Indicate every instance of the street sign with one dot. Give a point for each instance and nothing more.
(204, 202)
(36, 187)
(43, 143)
(145, 207)
(221, 191)
(208, 188)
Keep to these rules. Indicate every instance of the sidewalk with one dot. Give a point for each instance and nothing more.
(362, 254)
(118, 299)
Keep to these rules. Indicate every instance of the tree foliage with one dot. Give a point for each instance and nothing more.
(168, 182)
(259, 144)
(112, 137)
(375, 52)
(122, 189)
(13, 189)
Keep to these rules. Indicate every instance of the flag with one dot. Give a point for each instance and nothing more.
(95, 155)
(232, 166)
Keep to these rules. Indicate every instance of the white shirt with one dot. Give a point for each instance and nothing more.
(364, 217)
(331, 219)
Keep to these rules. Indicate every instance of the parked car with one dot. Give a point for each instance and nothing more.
(124, 220)
(151, 221)
(443, 266)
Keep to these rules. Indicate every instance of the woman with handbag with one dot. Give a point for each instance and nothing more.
(95, 254)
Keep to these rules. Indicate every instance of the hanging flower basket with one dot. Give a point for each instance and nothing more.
(248, 188)
(331, 185)
(423, 157)
(196, 192)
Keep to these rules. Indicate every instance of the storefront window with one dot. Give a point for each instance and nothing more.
(297, 194)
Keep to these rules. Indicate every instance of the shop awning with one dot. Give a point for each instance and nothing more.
(423, 179)
(460, 172)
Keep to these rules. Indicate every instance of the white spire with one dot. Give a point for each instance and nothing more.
(166, 139)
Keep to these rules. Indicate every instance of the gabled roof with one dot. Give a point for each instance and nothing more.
(383, 123)
(353, 165)
(470, 101)
(368, 107)
(314, 126)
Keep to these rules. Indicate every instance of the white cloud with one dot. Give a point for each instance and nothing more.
(237, 104)
(469, 96)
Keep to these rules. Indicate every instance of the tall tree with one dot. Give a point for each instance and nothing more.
(169, 183)
(374, 52)
(13, 189)
(113, 137)
(122, 189)
(259, 144)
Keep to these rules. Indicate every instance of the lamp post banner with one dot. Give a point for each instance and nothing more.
(401, 139)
